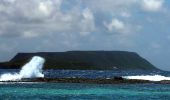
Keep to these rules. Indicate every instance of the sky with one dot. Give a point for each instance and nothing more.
(140, 26)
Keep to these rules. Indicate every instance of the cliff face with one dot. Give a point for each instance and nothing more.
(85, 60)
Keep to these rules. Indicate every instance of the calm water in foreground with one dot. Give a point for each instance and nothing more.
(75, 91)
(65, 91)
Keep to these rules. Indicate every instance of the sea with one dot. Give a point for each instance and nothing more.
(84, 91)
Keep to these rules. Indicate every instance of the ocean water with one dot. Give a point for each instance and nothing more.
(79, 91)
(70, 91)
(90, 73)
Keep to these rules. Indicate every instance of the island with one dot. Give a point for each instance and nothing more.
(84, 60)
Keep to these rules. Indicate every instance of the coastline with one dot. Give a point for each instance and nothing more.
(115, 80)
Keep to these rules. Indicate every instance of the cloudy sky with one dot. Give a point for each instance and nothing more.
(140, 26)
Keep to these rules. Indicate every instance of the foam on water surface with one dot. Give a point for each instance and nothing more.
(148, 77)
(32, 69)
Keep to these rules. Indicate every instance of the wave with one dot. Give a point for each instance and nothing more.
(32, 69)
(148, 77)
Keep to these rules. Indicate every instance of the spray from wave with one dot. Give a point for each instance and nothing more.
(148, 77)
(32, 69)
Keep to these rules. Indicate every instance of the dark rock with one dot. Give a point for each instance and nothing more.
(116, 80)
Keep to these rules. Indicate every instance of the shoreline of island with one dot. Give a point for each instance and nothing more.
(115, 80)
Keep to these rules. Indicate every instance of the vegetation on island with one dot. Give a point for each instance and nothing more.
(84, 60)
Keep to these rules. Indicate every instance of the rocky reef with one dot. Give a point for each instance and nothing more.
(115, 80)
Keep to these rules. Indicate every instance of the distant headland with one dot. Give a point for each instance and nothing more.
(84, 60)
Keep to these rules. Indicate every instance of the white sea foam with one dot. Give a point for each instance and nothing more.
(30, 70)
(148, 77)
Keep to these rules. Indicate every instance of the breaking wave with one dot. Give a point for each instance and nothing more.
(148, 77)
(32, 69)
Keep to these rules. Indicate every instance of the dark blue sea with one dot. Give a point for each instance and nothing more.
(79, 91)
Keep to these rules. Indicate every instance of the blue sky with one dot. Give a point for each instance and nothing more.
(140, 26)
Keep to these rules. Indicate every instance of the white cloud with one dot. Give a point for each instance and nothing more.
(10, 1)
(152, 5)
(122, 28)
(109, 5)
(125, 14)
(87, 14)
(45, 7)
(87, 23)
(29, 34)
(37, 18)
(115, 24)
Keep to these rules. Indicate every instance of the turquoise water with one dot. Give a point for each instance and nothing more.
(70, 91)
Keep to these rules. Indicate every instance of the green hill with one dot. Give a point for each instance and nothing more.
(84, 60)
